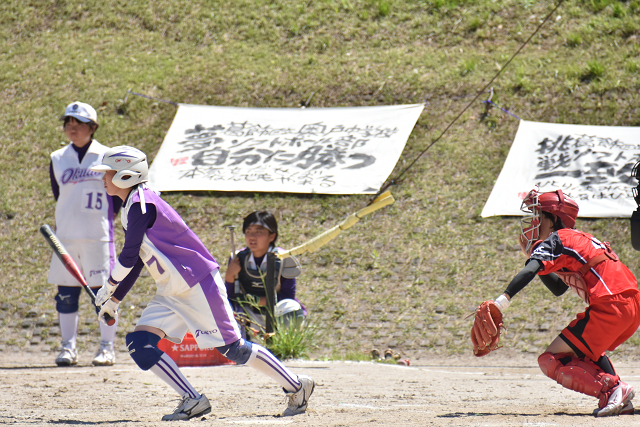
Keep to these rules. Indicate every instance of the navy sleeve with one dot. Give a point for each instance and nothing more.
(137, 225)
(524, 277)
(554, 283)
(127, 283)
(55, 188)
(287, 289)
(231, 291)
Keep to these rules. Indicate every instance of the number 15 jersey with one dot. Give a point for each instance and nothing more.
(84, 211)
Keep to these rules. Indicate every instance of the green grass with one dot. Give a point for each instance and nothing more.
(294, 340)
(430, 248)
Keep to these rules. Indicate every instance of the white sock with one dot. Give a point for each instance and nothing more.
(169, 372)
(68, 328)
(107, 333)
(265, 362)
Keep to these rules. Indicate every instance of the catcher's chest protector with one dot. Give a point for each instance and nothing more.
(575, 279)
(250, 278)
(576, 282)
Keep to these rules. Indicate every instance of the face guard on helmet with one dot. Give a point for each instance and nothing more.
(530, 224)
(553, 202)
(129, 163)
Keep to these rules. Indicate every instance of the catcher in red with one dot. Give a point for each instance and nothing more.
(565, 258)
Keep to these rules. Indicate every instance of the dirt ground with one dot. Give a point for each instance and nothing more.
(508, 390)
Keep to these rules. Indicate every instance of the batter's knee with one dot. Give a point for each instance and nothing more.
(67, 299)
(239, 351)
(143, 348)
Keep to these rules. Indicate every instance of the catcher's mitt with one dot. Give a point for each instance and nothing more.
(487, 325)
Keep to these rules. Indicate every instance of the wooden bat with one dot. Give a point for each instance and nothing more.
(70, 265)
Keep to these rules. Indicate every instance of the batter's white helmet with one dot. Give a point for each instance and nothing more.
(129, 163)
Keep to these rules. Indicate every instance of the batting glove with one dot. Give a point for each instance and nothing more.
(104, 293)
(110, 308)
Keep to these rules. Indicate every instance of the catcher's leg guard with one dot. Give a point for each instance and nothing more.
(581, 375)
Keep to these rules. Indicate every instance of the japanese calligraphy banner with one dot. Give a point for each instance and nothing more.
(315, 150)
(592, 164)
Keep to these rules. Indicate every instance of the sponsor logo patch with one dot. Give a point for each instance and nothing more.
(199, 332)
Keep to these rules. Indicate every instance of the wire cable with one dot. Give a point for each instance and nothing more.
(483, 90)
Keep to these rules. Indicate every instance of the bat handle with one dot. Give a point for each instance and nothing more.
(108, 319)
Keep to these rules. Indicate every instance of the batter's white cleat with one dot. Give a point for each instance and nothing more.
(618, 399)
(189, 408)
(298, 400)
(105, 355)
(67, 357)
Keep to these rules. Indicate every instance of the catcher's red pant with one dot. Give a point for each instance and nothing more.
(605, 324)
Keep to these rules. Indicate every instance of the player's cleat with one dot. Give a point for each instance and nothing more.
(105, 355)
(298, 400)
(621, 395)
(628, 409)
(189, 408)
(67, 357)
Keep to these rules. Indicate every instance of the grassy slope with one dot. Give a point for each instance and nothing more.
(406, 275)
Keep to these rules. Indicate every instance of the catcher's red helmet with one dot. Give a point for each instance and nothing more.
(554, 202)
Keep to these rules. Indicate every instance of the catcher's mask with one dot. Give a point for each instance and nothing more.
(554, 202)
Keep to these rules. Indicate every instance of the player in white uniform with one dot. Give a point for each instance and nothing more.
(191, 294)
(84, 219)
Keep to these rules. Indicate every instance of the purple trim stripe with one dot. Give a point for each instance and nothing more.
(276, 365)
(217, 304)
(172, 374)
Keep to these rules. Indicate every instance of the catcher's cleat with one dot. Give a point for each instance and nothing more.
(298, 400)
(628, 409)
(105, 355)
(67, 357)
(620, 396)
(189, 408)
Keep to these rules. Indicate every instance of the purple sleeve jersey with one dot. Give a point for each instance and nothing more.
(173, 254)
(287, 289)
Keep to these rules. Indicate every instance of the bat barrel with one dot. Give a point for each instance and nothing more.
(70, 264)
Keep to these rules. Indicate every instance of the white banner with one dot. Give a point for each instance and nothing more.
(323, 150)
(591, 164)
